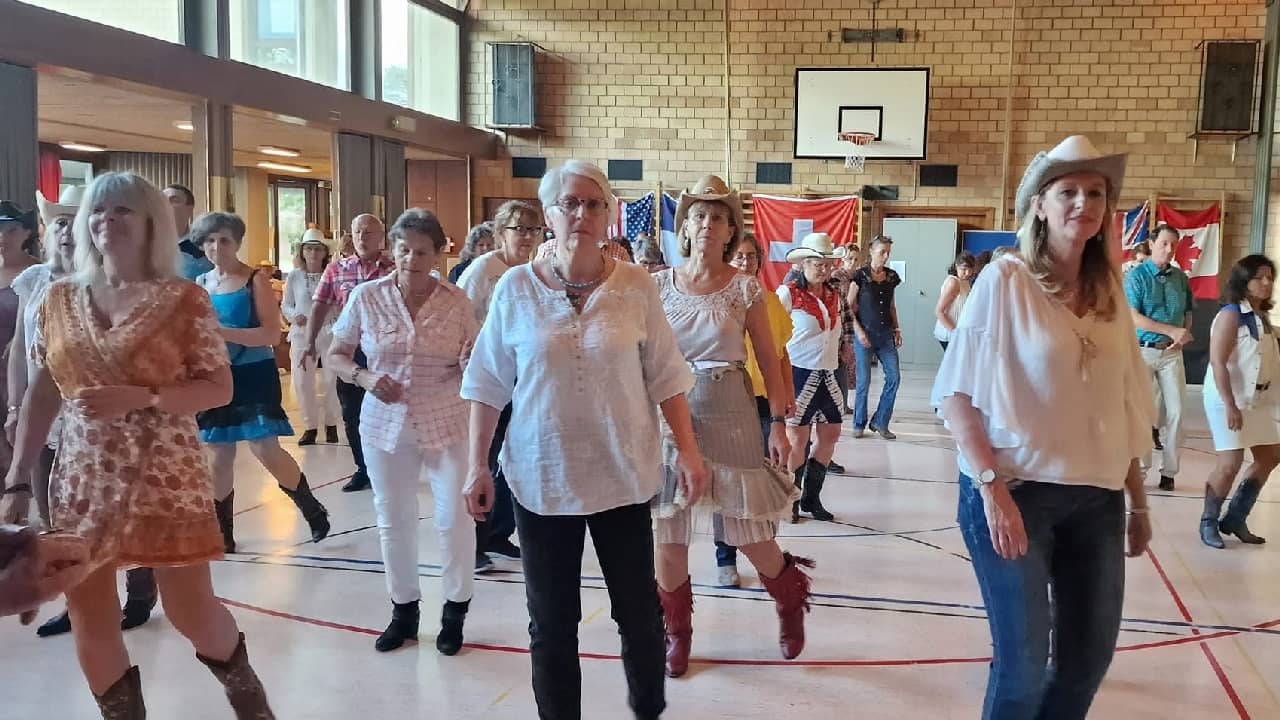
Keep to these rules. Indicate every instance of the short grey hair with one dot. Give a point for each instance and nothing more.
(553, 181)
(419, 221)
(216, 222)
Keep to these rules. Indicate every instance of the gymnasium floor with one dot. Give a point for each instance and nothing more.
(897, 628)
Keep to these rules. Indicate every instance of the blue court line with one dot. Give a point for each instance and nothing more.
(736, 594)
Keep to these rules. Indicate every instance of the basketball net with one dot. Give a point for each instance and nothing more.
(856, 153)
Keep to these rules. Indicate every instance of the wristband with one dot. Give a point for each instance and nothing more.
(1139, 511)
(777, 419)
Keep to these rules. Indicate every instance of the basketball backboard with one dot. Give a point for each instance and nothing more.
(892, 103)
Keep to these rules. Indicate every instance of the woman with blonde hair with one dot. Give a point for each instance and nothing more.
(313, 384)
(135, 353)
(1050, 404)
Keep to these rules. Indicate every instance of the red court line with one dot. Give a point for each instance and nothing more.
(314, 487)
(1204, 646)
(904, 662)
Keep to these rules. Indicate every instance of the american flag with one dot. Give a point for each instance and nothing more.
(639, 216)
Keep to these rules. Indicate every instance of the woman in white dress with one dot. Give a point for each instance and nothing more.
(313, 384)
(955, 290)
(1240, 403)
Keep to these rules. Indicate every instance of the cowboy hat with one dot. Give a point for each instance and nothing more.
(1073, 155)
(313, 236)
(10, 212)
(815, 245)
(68, 203)
(711, 189)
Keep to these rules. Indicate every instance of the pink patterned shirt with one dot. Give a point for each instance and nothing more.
(422, 354)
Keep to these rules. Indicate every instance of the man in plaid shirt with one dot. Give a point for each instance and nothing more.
(369, 262)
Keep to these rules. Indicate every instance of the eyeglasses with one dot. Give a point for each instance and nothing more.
(570, 204)
(526, 229)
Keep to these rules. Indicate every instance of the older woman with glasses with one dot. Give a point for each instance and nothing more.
(313, 384)
(1050, 404)
(479, 241)
(577, 457)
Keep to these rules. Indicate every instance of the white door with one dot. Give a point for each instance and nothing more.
(922, 252)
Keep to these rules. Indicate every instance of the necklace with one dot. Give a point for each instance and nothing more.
(576, 292)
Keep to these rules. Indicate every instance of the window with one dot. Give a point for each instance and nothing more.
(303, 38)
(74, 173)
(157, 18)
(421, 59)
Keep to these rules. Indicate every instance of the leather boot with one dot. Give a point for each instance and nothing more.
(1233, 523)
(677, 618)
(1209, 524)
(790, 591)
(404, 626)
(313, 512)
(244, 689)
(811, 501)
(452, 617)
(140, 598)
(123, 700)
(798, 475)
(225, 510)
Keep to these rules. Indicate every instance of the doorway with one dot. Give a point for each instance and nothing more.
(295, 205)
(922, 251)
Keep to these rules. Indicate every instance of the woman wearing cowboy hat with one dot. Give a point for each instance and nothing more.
(713, 308)
(314, 386)
(1050, 404)
(814, 349)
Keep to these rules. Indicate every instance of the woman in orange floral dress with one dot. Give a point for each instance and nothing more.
(135, 352)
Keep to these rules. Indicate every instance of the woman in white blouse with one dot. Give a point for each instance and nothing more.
(1049, 402)
(416, 332)
(313, 385)
(955, 290)
(586, 336)
(1242, 399)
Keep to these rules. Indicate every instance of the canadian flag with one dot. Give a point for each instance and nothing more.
(782, 222)
(1198, 250)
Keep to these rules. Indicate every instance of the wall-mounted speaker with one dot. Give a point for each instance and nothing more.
(514, 101)
(1230, 68)
(626, 169)
(939, 175)
(528, 167)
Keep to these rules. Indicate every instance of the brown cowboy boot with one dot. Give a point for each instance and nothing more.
(123, 700)
(677, 617)
(790, 590)
(244, 689)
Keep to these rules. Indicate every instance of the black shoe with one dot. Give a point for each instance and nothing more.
(811, 501)
(835, 467)
(331, 434)
(1155, 438)
(308, 438)
(313, 512)
(140, 584)
(225, 510)
(449, 641)
(504, 547)
(59, 625)
(404, 626)
(483, 563)
(1166, 483)
(358, 482)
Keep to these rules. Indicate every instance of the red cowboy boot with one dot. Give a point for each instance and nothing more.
(677, 617)
(790, 590)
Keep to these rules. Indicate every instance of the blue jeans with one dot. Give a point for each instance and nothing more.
(887, 352)
(1054, 613)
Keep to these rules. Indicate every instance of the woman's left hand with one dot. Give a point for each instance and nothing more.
(1139, 533)
(108, 402)
(692, 476)
(897, 338)
(779, 445)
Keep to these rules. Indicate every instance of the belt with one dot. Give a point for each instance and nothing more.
(1262, 388)
(1157, 344)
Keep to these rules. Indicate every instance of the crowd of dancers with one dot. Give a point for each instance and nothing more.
(652, 402)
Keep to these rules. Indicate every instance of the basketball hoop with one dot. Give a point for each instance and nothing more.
(856, 156)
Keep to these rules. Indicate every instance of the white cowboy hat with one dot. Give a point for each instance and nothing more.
(313, 236)
(815, 245)
(711, 188)
(1073, 155)
(68, 203)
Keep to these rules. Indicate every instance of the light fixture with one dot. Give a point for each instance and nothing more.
(278, 151)
(283, 167)
(82, 147)
(184, 125)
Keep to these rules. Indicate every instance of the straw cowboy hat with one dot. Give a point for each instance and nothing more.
(68, 203)
(313, 236)
(815, 245)
(711, 188)
(1073, 155)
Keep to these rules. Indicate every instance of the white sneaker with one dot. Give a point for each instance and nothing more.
(729, 576)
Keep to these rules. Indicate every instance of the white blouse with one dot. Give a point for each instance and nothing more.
(299, 293)
(584, 432)
(814, 344)
(1063, 399)
(479, 280)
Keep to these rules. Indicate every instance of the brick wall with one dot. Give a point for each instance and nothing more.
(644, 79)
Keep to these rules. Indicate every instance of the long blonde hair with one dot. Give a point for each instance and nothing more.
(141, 196)
(1099, 278)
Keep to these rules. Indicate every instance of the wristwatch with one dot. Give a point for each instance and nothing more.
(985, 477)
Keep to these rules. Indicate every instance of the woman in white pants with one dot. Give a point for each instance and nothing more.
(417, 333)
(313, 384)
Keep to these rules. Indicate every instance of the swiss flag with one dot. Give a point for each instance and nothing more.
(1198, 250)
(782, 222)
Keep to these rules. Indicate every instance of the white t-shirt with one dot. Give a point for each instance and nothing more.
(1064, 399)
(815, 339)
(479, 280)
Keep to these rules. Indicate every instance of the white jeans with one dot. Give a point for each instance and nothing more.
(395, 477)
(1169, 381)
(312, 397)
